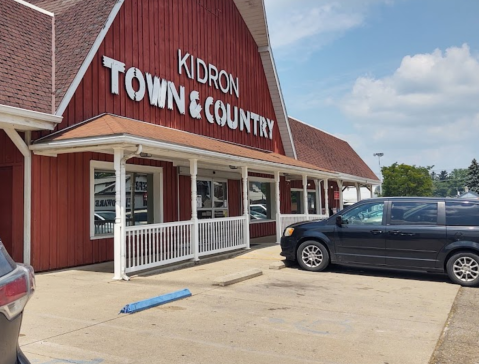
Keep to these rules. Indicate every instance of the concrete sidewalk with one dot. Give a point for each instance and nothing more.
(284, 316)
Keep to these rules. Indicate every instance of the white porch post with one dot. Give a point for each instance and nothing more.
(278, 207)
(123, 215)
(194, 210)
(305, 195)
(244, 176)
(371, 191)
(27, 188)
(317, 183)
(340, 186)
(358, 192)
(118, 156)
(326, 196)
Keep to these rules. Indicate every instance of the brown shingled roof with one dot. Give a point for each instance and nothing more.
(25, 57)
(77, 25)
(326, 151)
(111, 125)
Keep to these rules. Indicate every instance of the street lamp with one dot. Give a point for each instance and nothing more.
(379, 155)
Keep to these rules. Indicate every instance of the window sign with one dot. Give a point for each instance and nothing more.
(163, 93)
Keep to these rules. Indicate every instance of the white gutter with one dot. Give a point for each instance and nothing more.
(22, 119)
(191, 152)
(357, 179)
(27, 190)
(34, 7)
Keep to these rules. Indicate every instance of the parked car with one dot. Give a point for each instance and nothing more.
(428, 234)
(17, 284)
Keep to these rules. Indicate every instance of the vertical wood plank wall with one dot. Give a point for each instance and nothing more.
(147, 34)
(10, 157)
(61, 210)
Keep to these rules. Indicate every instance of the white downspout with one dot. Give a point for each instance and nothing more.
(279, 228)
(305, 196)
(120, 209)
(340, 185)
(194, 210)
(27, 189)
(244, 177)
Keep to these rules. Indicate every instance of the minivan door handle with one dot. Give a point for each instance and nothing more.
(407, 234)
(394, 232)
(376, 232)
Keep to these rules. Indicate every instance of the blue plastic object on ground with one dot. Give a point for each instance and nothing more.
(155, 301)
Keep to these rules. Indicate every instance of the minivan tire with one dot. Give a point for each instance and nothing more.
(463, 268)
(312, 256)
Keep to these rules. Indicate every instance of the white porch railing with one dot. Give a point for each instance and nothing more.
(287, 220)
(149, 246)
(221, 235)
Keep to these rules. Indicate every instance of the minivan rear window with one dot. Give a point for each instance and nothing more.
(414, 213)
(462, 213)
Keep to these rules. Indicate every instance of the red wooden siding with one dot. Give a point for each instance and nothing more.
(332, 186)
(147, 34)
(61, 210)
(260, 229)
(11, 163)
(285, 196)
(235, 198)
(299, 184)
(9, 153)
(185, 198)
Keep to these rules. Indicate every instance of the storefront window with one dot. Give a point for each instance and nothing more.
(260, 202)
(138, 211)
(297, 202)
(211, 199)
(312, 203)
(140, 192)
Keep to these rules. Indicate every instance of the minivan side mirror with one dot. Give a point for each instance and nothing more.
(339, 220)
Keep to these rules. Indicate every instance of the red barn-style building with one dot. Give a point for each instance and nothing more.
(149, 132)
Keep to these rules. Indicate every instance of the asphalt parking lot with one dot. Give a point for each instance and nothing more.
(290, 316)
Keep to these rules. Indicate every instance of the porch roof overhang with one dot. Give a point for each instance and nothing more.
(107, 132)
(26, 120)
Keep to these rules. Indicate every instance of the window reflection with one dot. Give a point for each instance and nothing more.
(260, 201)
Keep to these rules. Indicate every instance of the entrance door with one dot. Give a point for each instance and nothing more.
(6, 199)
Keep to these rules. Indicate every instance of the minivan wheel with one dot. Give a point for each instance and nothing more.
(312, 256)
(463, 269)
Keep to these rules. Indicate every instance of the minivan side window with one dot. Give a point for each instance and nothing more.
(367, 214)
(413, 213)
(462, 213)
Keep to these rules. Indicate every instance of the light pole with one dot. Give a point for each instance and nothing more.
(379, 155)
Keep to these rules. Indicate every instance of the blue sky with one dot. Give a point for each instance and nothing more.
(399, 77)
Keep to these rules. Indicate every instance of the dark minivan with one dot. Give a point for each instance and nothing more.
(410, 233)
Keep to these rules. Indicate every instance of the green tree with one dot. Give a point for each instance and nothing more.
(405, 180)
(472, 179)
(443, 176)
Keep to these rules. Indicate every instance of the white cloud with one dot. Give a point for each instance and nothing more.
(426, 112)
(313, 23)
